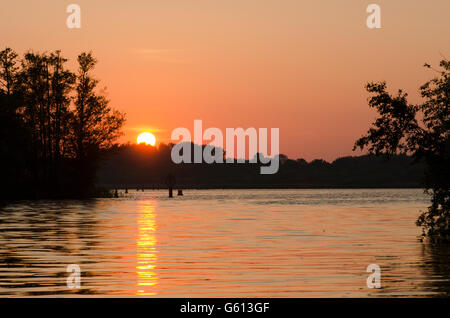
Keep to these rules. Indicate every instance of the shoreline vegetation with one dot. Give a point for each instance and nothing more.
(422, 130)
(56, 125)
(143, 166)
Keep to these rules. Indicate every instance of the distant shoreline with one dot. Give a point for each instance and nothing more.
(121, 190)
(267, 188)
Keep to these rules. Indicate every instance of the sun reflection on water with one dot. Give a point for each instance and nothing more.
(146, 250)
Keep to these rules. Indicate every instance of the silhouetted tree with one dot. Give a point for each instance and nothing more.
(44, 86)
(95, 126)
(8, 70)
(423, 131)
(13, 136)
(53, 125)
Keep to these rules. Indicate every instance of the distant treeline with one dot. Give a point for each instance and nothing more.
(140, 166)
(54, 126)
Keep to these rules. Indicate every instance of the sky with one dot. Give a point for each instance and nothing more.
(300, 66)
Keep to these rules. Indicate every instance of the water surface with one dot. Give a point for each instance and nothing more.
(223, 243)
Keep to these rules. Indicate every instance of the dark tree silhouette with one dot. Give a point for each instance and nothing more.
(423, 131)
(13, 140)
(94, 124)
(54, 126)
(143, 166)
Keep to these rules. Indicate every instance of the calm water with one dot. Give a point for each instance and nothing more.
(222, 243)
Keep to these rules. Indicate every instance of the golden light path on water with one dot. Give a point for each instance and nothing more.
(146, 249)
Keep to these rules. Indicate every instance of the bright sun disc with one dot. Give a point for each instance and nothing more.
(146, 138)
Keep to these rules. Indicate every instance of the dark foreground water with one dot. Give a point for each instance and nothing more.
(223, 243)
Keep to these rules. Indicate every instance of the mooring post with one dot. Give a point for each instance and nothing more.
(170, 180)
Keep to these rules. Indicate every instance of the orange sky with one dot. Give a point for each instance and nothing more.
(296, 65)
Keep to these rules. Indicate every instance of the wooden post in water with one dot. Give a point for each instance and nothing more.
(170, 180)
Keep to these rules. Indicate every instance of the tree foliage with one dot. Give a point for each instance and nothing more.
(422, 131)
(54, 125)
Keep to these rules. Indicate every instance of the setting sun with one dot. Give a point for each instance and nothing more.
(147, 138)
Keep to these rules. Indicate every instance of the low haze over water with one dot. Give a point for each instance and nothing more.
(223, 243)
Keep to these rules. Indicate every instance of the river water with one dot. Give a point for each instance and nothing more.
(223, 243)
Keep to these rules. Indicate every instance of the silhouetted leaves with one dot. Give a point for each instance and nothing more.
(54, 125)
(423, 131)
